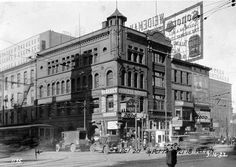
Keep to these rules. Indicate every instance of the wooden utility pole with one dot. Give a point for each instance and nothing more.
(85, 114)
(135, 109)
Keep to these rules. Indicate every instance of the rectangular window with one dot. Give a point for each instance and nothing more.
(158, 58)
(189, 79)
(184, 78)
(12, 81)
(188, 96)
(43, 44)
(158, 79)
(178, 77)
(32, 76)
(32, 96)
(158, 102)
(6, 83)
(183, 96)
(18, 79)
(25, 97)
(173, 75)
(110, 103)
(177, 95)
(25, 77)
(95, 104)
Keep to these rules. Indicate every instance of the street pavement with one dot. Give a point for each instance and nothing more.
(75, 159)
(96, 159)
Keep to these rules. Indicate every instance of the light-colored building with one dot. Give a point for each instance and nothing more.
(25, 50)
(18, 77)
(18, 95)
(221, 107)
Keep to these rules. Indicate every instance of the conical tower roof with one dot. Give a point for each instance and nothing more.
(117, 14)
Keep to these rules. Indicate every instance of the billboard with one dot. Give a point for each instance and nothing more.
(151, 23)
(185, 30)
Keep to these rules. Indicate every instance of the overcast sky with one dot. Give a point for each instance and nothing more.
(22, 19)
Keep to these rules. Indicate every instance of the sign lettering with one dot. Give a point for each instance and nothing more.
(150, 23)
(185, 31)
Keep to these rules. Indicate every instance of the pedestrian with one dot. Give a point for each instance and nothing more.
(171, 156)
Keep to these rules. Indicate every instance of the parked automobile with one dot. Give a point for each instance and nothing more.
(107, 144)
(73, 140)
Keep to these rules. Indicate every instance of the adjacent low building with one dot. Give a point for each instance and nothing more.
(190, 93)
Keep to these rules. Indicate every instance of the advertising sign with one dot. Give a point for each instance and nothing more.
(155, 22)
(185, 30)
(203, 116)
(112, 125)
(131, 105)
(176, 122)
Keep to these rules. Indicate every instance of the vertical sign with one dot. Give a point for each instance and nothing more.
(185, 30)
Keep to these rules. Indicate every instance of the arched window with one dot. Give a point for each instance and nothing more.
(78, 84)
(41, 91)
(68, 86)
(123, 78)
(68, 65)
(135, 80)
(62, 87)
(58, 88)
(96, 80)
(109, 78)
(84, 81)
(73, 85)
(141, 81)
(90, 82)
(48, 89)
(53, 89)
(129, 78)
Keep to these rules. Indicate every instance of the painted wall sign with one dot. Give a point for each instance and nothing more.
(132, 92)
(109, 91)
(150, 23)
(185, 30)
(219, 75)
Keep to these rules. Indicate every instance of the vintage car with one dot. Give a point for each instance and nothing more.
(73, 141)
(107, 144)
